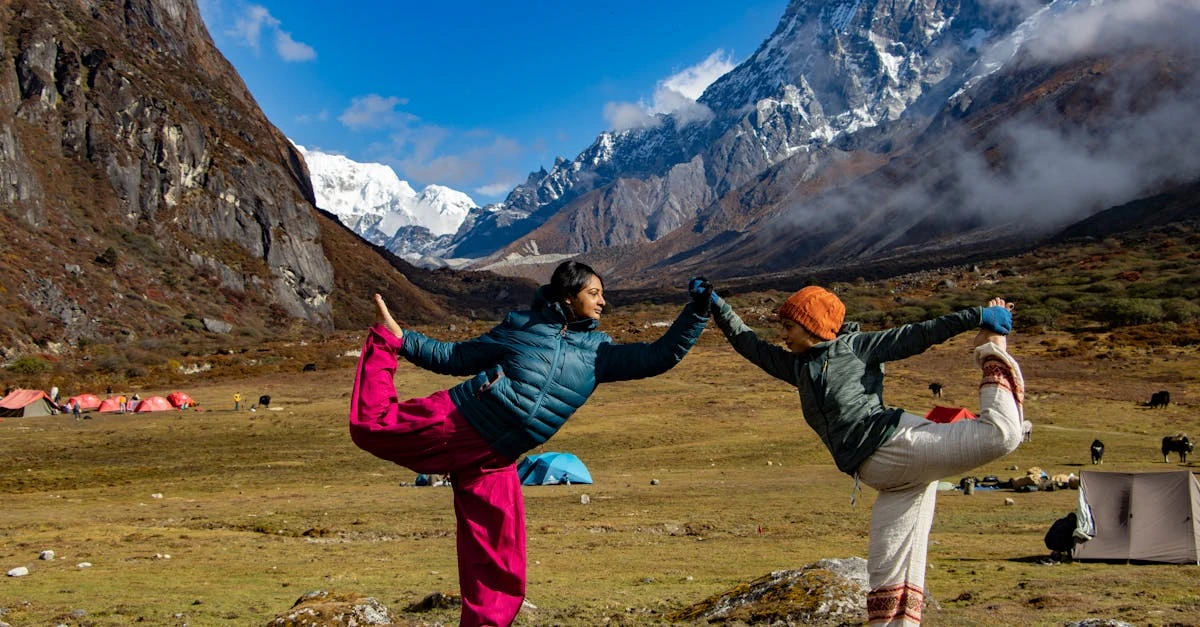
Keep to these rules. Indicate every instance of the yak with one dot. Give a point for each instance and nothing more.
(1179, 444)
(1159, 399)
(1097, 451)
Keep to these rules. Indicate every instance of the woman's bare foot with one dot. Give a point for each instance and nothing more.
(382, 316)
(984, 336)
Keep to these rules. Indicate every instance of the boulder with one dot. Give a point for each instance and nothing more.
(324, 609)
(827, 592)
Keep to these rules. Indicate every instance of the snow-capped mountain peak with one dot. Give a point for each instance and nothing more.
(372, 200)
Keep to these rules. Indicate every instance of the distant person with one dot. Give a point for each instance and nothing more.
(237, 401)
(122, 403)
(528, 375)
(75, 409)
(54, 394)
(838, 372)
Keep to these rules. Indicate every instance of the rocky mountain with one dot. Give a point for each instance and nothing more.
(865, 131)
(371, 200)
(145, 198)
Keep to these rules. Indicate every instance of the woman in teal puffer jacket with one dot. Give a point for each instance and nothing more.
(528, 375)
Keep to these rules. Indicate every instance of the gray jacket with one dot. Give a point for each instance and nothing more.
(841, 381)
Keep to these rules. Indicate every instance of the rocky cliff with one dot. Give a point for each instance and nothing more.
(144, 193)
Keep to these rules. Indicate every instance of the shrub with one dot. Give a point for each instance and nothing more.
(1041, 316)
(1130, 311)
(1181, 310)
(109, 257)
(1102, 287)
(908, 314)
(112, 363)
(31, 365)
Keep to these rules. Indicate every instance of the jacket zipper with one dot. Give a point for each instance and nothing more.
(558, 350)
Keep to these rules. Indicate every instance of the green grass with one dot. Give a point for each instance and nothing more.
(259, 508)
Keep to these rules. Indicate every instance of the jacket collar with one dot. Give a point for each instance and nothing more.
(557, 313)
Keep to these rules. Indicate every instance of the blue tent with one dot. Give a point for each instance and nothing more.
(551, 469)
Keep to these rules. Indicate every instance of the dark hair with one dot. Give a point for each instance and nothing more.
(569, 278)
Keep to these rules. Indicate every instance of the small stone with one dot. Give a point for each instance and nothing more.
(585, 499)
(1009, 502)
(156, 495)
(46, 555)
(654, 482)
(19, 571)
(83, 565)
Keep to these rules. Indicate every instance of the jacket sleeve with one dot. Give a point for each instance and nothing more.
(913, 339)
(775, 360)
(624, 362)
(453, 358)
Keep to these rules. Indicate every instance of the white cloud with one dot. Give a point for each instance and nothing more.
(675, 95)
(692, 82)
(249, 28)
(623, 116)
(425, 157)
(374, 111)
(291, 50)
(1085, 29)
(493, 190)
(313, 118)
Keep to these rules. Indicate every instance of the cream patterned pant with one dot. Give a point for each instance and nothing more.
(905, 471)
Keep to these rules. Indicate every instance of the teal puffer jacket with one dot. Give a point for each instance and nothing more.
(534, 369)
(841, 381)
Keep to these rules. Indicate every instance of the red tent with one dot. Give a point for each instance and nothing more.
(86, 401)
(949, 414)
(154, 403)
(177, 399)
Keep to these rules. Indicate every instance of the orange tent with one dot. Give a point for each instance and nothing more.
(154, 403)
(949, 414)
(86, 401)
(177, 399)
(111, 403)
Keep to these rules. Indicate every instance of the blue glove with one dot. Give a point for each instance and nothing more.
(997, 320)
(703, 296)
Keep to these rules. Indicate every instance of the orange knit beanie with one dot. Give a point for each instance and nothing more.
(816, 309)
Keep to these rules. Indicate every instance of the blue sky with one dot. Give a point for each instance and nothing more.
(476, 95)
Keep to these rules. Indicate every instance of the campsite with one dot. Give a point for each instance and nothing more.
(703, 479)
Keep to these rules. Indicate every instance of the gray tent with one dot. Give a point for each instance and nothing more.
(1139, 516)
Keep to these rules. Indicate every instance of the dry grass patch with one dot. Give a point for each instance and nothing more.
(706, 479)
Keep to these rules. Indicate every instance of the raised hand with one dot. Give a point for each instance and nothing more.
(702, 294)
(997, 316)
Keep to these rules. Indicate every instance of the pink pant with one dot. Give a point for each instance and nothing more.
(430, 435)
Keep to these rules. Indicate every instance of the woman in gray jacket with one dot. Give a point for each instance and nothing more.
(838, 372)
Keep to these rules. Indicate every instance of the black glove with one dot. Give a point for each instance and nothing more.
(703, 296)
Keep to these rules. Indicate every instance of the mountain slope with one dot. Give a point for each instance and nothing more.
(866, 132)
(144, 196)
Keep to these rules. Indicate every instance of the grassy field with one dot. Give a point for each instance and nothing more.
(218, 517)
